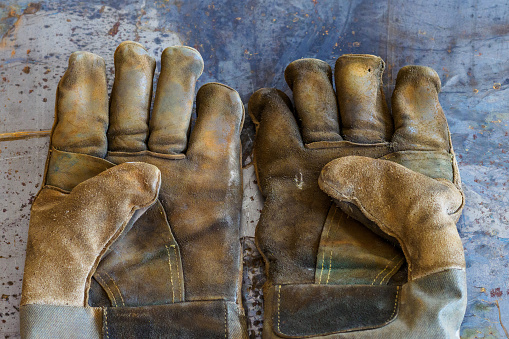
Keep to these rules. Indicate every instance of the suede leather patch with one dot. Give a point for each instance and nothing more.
(309, 310)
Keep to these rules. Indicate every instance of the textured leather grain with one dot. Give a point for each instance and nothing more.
(381, 215)
(139, 216)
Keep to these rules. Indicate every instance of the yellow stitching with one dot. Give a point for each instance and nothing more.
(390, 262)
(330, 266)
(395, 304)
(278, 304)
(326, 237)
(225, 321)
(106, 322)
(397, 265)
(120, 294)
(107, 287)
(178, 270)
(171, 277)
(332, 219)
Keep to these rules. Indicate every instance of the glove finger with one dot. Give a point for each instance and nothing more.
(82, 107)
(169, 125)
(216, 135)
(130, 98)
(315, 102)
(66, 240)
(277, 130)
(418, 211)
(418, 117)
(362, 106)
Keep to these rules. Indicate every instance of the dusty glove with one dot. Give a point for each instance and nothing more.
(97, 268)
(385, 260)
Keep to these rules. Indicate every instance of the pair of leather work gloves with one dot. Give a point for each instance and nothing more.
(135, 233)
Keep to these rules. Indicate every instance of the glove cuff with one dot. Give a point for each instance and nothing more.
(438, 301)
(198, 319)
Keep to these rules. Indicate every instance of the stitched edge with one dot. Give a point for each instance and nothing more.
(225, 321)
(118, 290)
(171, 276)
(386, 267)
(106, 323)
(329, 226)
(395, 304)
(107, 288)
(178, 271)
(330, 268)
(389, 320)
(395, 266)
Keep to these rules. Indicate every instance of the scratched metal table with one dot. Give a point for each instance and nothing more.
(247, 44)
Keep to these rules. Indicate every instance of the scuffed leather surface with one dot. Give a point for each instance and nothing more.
(306, 310)
(186, 246)
(295, 141)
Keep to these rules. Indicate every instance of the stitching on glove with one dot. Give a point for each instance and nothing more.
(106, 322)
(330, 267)
(178, 270)
(323, 252)
(225, 321)
(384, 270)
(395, 266)
(118, 290)
(171, 275)
(395, 305)
(278, 304)
(107, 289)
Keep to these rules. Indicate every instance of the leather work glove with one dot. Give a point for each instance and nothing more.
(382, 258)
(135, 233)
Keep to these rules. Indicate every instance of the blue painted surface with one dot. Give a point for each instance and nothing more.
(247, 45)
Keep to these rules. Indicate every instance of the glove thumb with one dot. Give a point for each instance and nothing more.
(70, 231)
(419, 212)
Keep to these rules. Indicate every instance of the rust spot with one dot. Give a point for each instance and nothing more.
(32, 8)
(26, 70)
(496, 85)
(114, 30)
(496, 292)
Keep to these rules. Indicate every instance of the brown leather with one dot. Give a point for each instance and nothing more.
(299, 243)
(84, 239)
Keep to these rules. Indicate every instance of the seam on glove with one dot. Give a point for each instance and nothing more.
(395, 305)
(178, 269)
(382, 271)
(225, 320)
(323, 252)
(174, 156)
(171, 275)
(105, 310)
(278, 307)
(116, 287)
(108, 290)
(395, 266)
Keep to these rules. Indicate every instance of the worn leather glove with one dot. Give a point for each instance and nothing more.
(385, 260)
(98, 265)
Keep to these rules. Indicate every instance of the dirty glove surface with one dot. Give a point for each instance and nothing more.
(135, 233)
(383, 257)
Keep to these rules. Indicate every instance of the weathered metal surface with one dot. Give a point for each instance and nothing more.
(247, 45)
